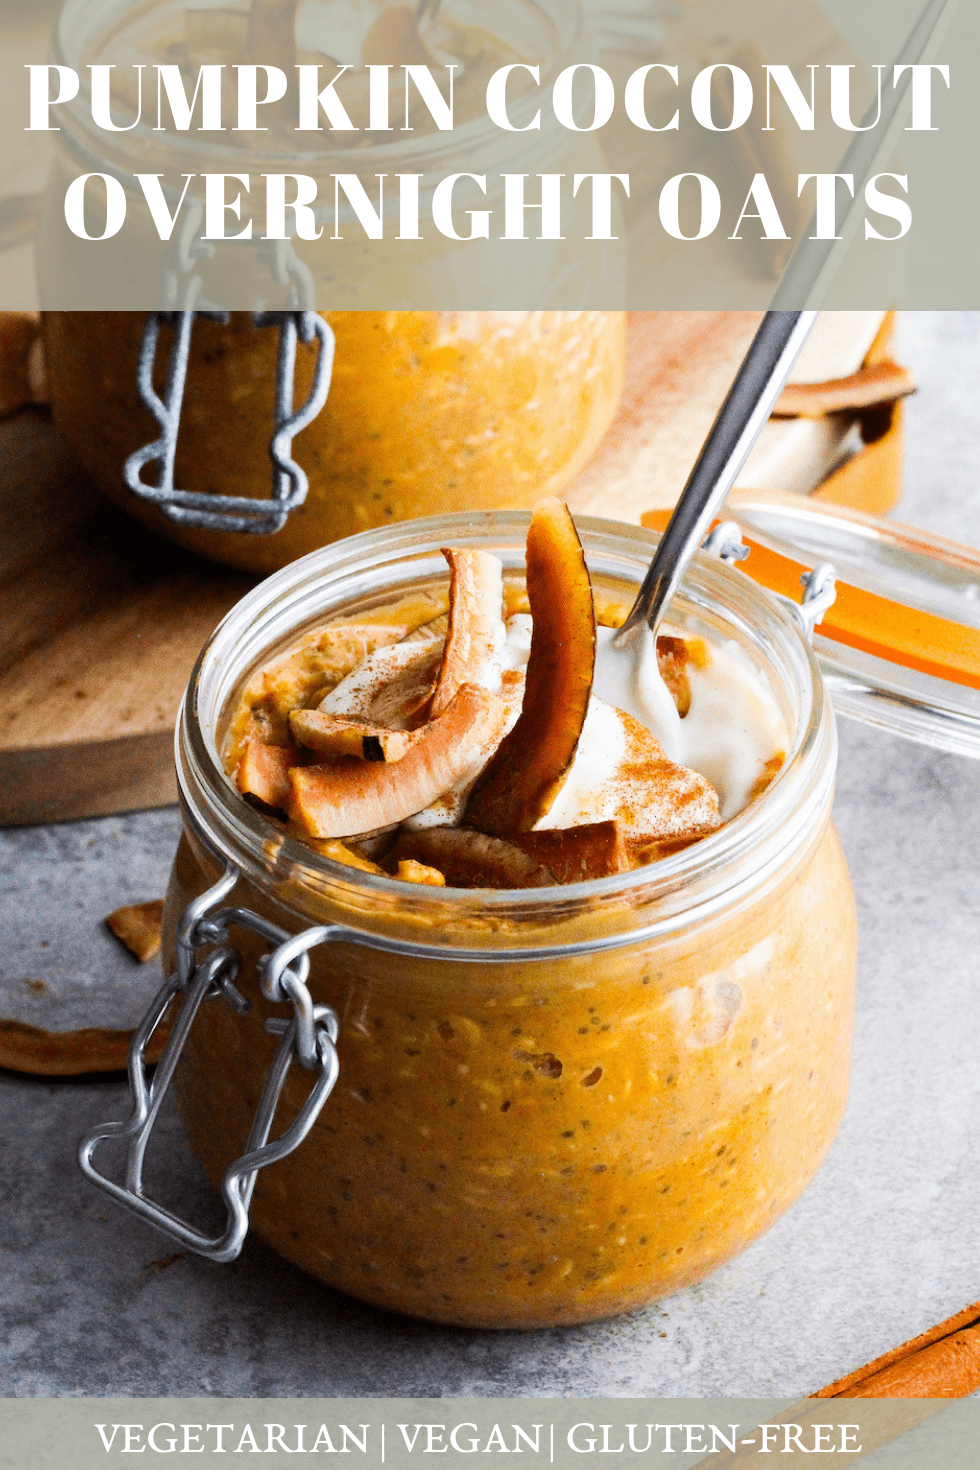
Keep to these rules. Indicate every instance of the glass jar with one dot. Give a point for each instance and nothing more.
(428, 411)
(553, 1105)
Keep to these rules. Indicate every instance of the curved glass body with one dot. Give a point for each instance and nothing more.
(428, 411)
(553, 1104)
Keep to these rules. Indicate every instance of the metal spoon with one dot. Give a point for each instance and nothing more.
(808, 276)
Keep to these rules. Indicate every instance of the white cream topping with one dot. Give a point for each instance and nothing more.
(629, 679)
(355, 692)
(732, 729)
(516, 648)
(601, 750)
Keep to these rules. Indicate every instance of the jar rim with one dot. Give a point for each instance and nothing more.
(685, 887)
(433, 149)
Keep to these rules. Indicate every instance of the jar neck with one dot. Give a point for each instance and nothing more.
(731, 867)
(84, 34)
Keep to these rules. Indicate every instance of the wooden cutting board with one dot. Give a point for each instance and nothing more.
(101, 621)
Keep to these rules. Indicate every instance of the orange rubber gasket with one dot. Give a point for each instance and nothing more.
(868, 622)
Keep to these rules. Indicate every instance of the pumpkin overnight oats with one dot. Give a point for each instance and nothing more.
(611, 1041)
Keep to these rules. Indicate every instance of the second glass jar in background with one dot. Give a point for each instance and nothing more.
(428, 411)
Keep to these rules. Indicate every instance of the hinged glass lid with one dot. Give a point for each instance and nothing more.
(900, 645)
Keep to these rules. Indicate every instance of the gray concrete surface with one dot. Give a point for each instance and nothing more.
(884, 1243)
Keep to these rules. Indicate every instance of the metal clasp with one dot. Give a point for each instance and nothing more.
(309, 1036)
(819, 586)
(289, 482)
(819, 593)
(725, 542)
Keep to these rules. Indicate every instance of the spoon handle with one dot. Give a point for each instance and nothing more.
(808, 277)
(743, 414)
(815, 263)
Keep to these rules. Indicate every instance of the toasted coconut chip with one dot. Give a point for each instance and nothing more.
(338, 735)
(884, 382)
(522, 780)
(41, 1053)
(576, 854)
(392, 687)
(351, 796)
(433, 632)
(325, 657)
(472, 859)
(672, 660)
(138, 926)
(263, 772)
(409, 871)
(475, 618)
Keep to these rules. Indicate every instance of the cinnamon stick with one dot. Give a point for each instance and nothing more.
(941, 1363)
(876, 1423)
(906, 1385)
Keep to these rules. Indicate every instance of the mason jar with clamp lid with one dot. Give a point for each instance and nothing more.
(398, 413)
(551, 1104)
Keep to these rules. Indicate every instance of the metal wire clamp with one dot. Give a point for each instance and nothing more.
(819, 586)
(289, 482)
(309, 1036)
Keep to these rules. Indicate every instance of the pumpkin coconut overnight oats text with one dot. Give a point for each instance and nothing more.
(462, 763)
